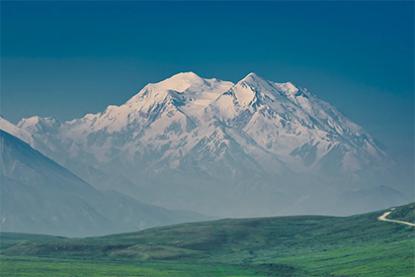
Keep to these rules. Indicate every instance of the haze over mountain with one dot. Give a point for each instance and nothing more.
(252, 148)
(40, 196)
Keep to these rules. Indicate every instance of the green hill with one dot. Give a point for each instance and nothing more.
(405, 213)
(282, 246)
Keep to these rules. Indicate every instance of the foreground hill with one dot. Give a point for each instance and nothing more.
(40, 196)
(358, 245)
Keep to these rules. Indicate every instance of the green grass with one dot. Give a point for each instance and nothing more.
(381, 260)
(297, 246)
(45, 267)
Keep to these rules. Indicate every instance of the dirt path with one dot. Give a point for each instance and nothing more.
(384, 217)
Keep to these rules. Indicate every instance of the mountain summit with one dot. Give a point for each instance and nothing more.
(255, 147)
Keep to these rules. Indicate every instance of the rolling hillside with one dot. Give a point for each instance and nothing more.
(358, 245)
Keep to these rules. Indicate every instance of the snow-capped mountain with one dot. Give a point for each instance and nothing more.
(217, 147)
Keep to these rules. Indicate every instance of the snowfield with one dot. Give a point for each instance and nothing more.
(186, 140)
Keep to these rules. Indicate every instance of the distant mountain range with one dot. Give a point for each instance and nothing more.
(40, 196)
(250, 148)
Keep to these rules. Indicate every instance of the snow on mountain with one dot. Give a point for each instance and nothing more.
(294, 124)
(15, 131)
(171, 134)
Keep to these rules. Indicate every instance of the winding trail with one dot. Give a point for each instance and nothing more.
(385, 215)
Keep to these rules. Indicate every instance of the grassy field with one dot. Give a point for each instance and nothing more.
(281, 246)
(44, 267)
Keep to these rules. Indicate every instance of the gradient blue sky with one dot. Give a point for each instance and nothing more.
(64, 59)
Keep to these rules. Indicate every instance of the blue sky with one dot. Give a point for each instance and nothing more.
(64, 59)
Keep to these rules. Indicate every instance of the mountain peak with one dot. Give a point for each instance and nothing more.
(252, 77)
(187, 85)
(33, 121)
(180, 82)
(186, 75)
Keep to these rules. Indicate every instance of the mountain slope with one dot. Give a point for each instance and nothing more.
(359, 245)
(252, 148)
(15, 131)
(40, 196)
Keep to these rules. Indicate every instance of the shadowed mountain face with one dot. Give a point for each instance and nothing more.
(40, 196)
(252, 148)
